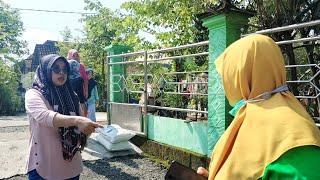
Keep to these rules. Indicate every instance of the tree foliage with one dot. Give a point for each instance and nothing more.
(171, 23)
(11, 29)
(9, 100)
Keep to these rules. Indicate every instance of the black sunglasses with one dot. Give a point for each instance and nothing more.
(57, 70)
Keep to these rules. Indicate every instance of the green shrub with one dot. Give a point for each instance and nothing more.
(9, 99)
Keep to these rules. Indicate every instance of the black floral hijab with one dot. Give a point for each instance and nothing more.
(63, 100)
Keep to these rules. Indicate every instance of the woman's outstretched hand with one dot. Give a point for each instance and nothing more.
(203, 172)
(87, 126)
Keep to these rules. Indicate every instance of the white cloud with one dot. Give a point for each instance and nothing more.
(38, 36)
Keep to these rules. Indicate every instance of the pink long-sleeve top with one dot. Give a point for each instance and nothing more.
(85, 78)
(45, 149)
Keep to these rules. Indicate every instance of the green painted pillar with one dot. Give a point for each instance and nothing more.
(224, 29)
(116, 73)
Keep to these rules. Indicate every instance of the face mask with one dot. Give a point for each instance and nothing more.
(262, 97)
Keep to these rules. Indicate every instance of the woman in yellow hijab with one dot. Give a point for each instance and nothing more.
(272, 136)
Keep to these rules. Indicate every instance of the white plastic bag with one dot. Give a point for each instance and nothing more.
(115, 134)
(125, 145)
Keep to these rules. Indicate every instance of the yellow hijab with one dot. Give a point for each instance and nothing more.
(260, 132)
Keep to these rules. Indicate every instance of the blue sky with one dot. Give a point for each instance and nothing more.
(42, 26)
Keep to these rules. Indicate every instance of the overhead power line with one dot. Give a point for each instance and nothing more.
(54, 11)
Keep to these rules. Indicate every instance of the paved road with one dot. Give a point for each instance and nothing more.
(98, 163)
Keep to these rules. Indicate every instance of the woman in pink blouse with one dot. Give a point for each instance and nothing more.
(58, 132)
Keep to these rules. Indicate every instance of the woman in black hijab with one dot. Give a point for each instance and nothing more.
(58, 132)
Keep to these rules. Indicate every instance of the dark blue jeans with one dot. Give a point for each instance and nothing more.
(33, 175)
